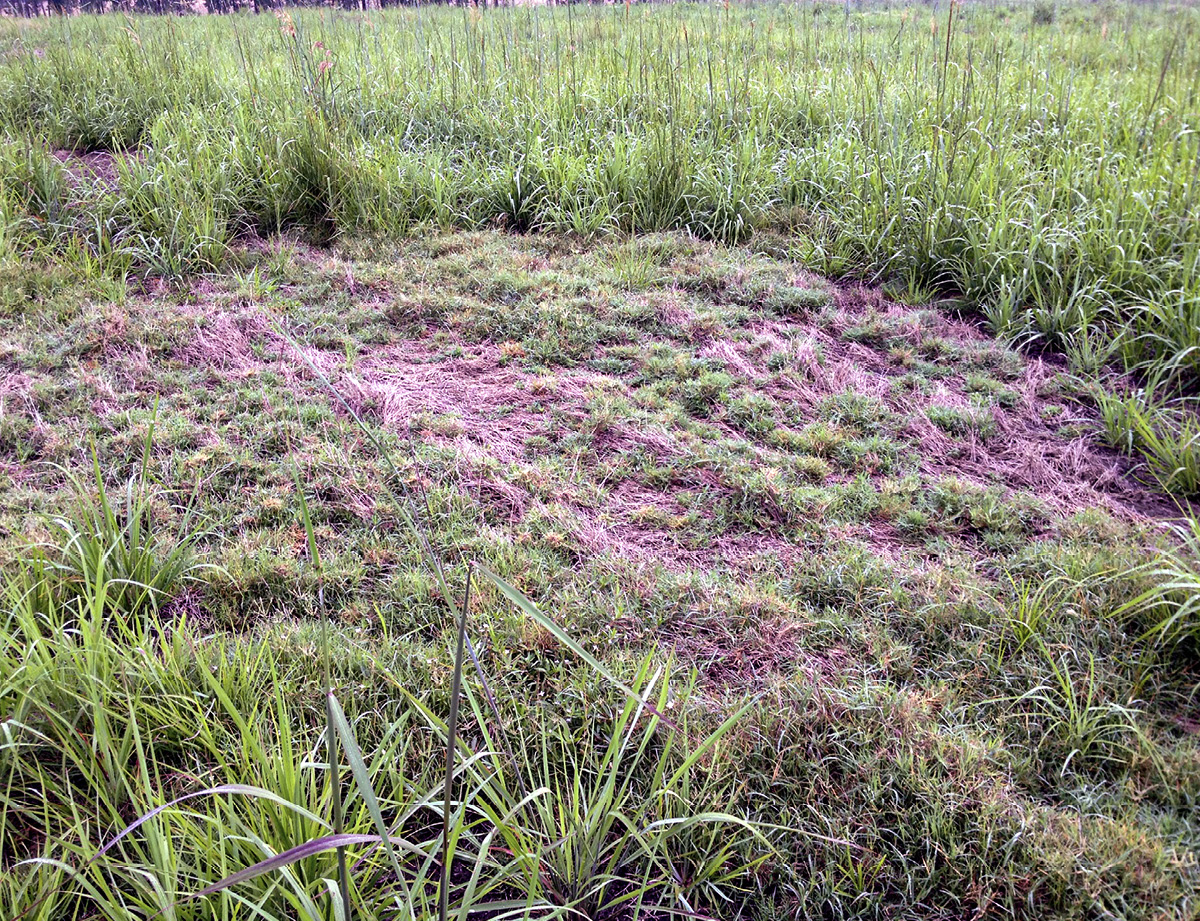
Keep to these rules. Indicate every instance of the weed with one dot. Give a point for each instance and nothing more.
(1080, 724)
(1166, 433)
(111, 558)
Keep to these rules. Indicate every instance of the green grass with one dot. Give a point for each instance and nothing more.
(1074, 230)
(931, 684)
(789, 597)
(1169, 608)
(1165, 432)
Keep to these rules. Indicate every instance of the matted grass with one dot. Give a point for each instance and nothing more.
(903, 544)
(1036, 164)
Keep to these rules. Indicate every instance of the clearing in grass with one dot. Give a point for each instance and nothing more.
(896, 548)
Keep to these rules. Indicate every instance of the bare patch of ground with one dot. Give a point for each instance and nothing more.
(746, 465)
(97, 167)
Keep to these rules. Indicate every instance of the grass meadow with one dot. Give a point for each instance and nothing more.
(608, 462)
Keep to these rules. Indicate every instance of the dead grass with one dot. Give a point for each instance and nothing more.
(827, 503)
(551, 462)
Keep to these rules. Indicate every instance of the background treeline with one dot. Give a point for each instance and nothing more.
(1045, 9)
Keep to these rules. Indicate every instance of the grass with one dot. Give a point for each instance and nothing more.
(795, 567)
(581, 834)
(1075, 232)
(788, 597)
(1165, 432)
(1169, 607)
(116, 556)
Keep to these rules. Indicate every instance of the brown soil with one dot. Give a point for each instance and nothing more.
(97, 167)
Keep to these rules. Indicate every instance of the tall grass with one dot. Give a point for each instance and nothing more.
(1046, 175)
(113, 555)
(1170, 609)
(1164, 430)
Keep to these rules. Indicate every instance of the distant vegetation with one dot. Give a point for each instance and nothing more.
(31, 8)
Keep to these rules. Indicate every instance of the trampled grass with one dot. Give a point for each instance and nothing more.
(760, 367)
(1042, 174)
(719, 477)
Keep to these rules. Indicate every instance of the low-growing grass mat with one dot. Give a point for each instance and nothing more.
(903, 541)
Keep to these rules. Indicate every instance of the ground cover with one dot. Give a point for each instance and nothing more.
(1037, 165)
(902, 542)
(824, 376)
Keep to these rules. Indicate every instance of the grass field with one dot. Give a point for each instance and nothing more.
(824, 380)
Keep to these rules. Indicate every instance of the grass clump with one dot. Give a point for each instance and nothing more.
(1166, 433)
(864, 414)
(1078, 720)
(790, 300)
(112, 557)
(752, 413)
(962, 423)
(1170, 608)
(700, 395)
(991, 390)
(1044, 13)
